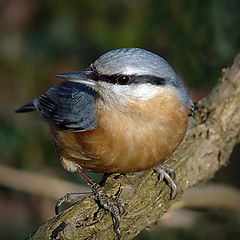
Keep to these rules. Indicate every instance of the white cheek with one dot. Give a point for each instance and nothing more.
(146, 92)
(135, 92)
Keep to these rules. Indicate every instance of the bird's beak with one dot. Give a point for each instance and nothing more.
(78, 77)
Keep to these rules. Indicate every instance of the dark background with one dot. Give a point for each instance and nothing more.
(41, 38)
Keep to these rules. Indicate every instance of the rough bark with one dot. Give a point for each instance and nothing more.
(205, 149)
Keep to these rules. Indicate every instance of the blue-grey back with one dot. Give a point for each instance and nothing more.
(69, 105)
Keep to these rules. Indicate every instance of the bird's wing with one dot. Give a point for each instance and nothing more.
(69, 105)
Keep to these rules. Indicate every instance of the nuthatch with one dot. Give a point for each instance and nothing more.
(128, 112)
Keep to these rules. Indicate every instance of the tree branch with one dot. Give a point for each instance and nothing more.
(206, 148)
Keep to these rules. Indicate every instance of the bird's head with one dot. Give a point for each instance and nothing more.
(129, 75)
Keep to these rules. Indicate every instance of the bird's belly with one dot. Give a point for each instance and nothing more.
(122, 144)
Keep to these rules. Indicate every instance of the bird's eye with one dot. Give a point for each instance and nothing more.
(123, 80)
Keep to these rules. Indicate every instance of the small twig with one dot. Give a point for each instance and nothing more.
(212, 196)
(37, 184)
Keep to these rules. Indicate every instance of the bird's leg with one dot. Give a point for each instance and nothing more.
(166, 173)
(115, 207)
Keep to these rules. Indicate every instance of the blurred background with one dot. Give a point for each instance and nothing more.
(41, 38)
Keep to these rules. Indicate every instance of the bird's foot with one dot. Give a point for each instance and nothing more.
(115, 207)
(69, 198)
(166, 173)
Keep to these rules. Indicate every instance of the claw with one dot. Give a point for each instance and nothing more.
(115, 207)
(121, 207)
(167, 173)
(68, 198)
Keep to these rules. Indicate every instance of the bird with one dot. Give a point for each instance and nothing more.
(127, 112)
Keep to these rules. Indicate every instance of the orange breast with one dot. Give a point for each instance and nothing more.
(142, 136)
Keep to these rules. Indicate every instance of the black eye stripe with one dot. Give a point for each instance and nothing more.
(133, 78)
(150, 79)
(104, 78)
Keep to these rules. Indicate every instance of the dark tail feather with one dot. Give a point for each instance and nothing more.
(26, 108)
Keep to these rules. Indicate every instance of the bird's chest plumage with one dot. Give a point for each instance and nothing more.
(140, 137)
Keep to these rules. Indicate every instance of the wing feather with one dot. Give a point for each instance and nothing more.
(69, 105)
